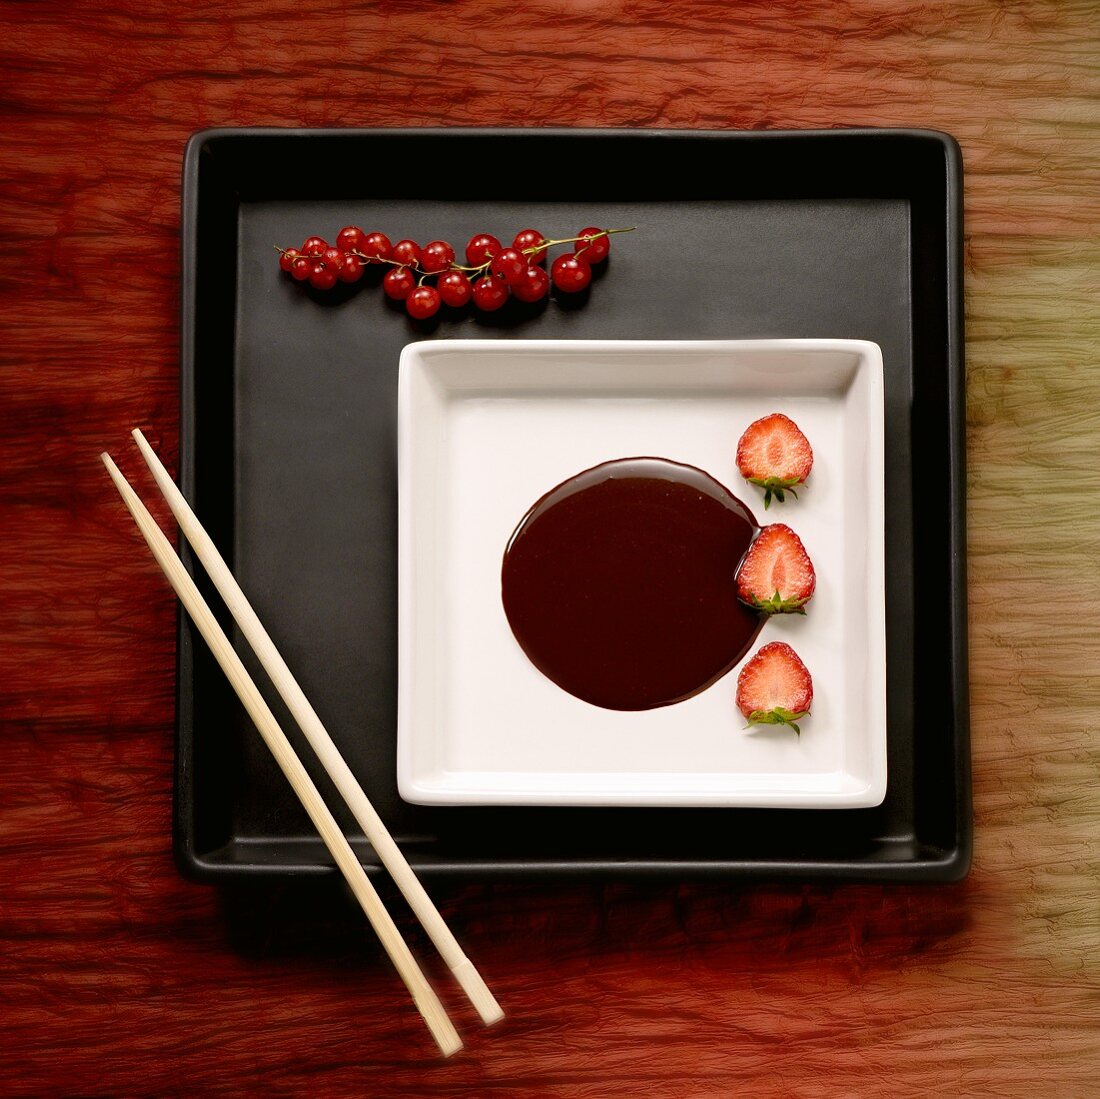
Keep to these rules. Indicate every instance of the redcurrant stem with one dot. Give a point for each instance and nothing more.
(384, 259)
(573, 240)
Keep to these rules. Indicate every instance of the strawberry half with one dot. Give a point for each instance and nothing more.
(775, 687)
(776, 575)
(774, 454)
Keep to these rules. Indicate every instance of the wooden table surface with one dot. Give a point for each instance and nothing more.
(119, 978)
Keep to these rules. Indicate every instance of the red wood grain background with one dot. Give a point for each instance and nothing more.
(119, 978)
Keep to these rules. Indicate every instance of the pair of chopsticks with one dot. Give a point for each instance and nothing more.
(435, 1016)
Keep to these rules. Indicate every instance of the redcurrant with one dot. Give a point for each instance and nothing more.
(454, 288)
(322, 277)
(314, 246)
(438, 255)
(532, 285)
(593, 245)
(530, 238)
(350, 238)
(407, 252)
(376, 247)
(286, 260)
(508, 264)
(490, 293)
(333, 258)
(423, 303)
(570, 274)
(352, 269)
(398, 283)
(481, 247)
(301, 268)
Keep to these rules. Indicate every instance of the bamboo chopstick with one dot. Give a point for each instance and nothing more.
(320, 741)
(424, 997)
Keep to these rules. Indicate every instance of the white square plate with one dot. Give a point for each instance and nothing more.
(486, 427)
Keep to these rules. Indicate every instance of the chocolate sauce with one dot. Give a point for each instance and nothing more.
(619, 583)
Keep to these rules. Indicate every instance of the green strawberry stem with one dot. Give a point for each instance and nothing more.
(776, 486)
(778, 715)
(776, 604)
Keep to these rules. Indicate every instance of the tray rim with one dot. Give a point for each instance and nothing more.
(950, 864)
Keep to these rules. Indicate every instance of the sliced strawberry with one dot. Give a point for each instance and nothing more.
(776, 575)
(774, 454)
(775, 687)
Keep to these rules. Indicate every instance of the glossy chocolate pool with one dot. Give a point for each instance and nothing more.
(619, 583)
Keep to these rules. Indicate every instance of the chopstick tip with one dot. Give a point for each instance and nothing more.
(449, 1046)
(115, 472)
(473, 984)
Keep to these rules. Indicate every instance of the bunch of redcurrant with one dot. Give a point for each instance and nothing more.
(491, 274)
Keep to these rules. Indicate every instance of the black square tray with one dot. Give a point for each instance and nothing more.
(287, 452)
